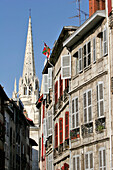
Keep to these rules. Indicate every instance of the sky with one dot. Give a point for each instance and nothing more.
(48, 18)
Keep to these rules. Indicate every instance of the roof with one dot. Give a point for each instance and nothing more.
(58, 46)
(2, 93)
(85, 28)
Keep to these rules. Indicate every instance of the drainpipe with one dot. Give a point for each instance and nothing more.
(109, 74)
(53, 114)
(69, 125)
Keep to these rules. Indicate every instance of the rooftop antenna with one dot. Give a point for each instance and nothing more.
(79, 15)
(79, 12)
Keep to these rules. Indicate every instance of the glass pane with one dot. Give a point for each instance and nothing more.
(86, 161)
(85, 115)
(89, 98)
(101, 108)
(84, 99)
(72, 106)
(101, 90)
(76, 104)
(104, 158)
(89, 113)
(91, 160)
(100, 158)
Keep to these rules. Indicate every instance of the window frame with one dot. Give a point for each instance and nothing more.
(100, 100)
(75, 159)
(102, 149)
(94, 49)
(75, 113)
(87, 106)
(89, 153)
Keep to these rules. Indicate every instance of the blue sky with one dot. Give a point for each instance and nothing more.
(48, 19)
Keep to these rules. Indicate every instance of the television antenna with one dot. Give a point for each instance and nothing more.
(79, 12)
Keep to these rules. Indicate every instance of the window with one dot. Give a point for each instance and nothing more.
(94, 50)
(75, 113)
(89, 161)
(80, 59)
(56, 135)
(61, 130)
(76, 62)
(49, 128)
(100, 100)
(61, 86)
(76, 162)
(66, 67)
(87, 106)
(87, 54)
(45, 84)
(56, 92)
(49, 160)
(105, 41)
(67, 125)
(44, 130)
(102, 159)
(49, 77)
(25, 90)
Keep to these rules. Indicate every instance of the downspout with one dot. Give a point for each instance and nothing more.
(69, 126)
(53, 116)
(109, 74)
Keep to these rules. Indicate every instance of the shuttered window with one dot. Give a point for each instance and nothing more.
(87, 54)
(80, 59)
(66, 83)
(76, 162)
(56, 135)
(75, 113)
(56, 92)
(100, 99)
(44, 130)
(102, 159)
(61, 130)
(61, 86)
(49, 78)
(67, 125)
(45, 84)
(87, 106)
(105, 41)
(94, 50)
(66, 66)
(49, 161)
(89, 161)
(49, 123)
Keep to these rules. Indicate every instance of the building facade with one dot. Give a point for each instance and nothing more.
(82, 88)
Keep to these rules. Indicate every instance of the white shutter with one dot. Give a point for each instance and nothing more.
(80, 59)
(66, 67)
(49, 122)
(105, 41)
(50, 77)
(94, 50)
(45, 84)
(44, 130)
(100, 99)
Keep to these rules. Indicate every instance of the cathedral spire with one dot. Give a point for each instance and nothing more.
(14, 96)
(29, 64)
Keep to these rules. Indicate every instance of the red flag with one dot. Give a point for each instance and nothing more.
(46, 50)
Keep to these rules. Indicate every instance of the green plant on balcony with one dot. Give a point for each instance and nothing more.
(100, 128)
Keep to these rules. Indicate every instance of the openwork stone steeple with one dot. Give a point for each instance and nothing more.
(29, 65)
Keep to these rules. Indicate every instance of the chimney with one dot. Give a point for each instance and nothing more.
(95, 5)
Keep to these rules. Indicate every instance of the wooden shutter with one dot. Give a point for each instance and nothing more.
(67, 125)
(80, 59)
(61, 130)
(89, 106)
(66, 83)
(94, 50)
(66, 166)
(42, 146)
(105, 41)
(61, 86)
(56, 135)
(50, 78)
(45, 84)
(56, 92)
(85, 108)
(49, 122)
(109, 7)
(66, 67)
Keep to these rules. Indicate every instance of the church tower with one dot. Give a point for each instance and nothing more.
(29, 92)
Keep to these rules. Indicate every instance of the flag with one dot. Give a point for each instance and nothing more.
(46, 50)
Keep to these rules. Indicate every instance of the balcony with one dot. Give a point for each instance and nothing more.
(60, 102)
(75, 133)
(65, 94)
(66, 145)
(100, 124)
(87, 129)
(60, 149)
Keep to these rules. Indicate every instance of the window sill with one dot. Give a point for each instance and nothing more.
(87, 68)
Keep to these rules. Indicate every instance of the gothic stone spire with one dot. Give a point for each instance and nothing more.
(29, 65)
